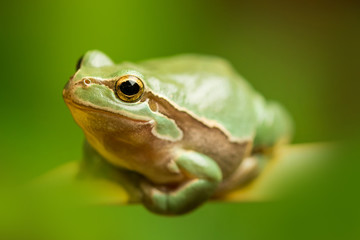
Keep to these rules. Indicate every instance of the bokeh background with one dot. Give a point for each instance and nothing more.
(304, 54)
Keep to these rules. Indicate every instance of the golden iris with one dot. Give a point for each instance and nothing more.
(129, 88)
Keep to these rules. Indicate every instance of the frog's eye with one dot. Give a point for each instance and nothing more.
(129, 88)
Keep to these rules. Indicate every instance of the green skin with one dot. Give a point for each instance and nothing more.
(184, 140)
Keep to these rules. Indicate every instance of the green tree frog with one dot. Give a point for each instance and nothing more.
(174, 131)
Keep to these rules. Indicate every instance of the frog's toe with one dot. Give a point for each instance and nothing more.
(181, 201)
(154, 199)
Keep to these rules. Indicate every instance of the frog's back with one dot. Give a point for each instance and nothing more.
(206, 86)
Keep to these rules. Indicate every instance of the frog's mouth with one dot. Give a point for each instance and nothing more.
(89, 108)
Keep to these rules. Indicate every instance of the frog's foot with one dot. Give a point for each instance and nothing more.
(204, 177)
(247, 171)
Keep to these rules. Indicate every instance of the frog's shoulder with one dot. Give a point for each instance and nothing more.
(206, 86)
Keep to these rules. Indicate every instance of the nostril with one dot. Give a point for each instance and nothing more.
(87, 81)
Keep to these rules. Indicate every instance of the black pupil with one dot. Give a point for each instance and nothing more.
(129, 87)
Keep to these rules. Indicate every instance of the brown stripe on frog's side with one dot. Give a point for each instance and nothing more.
(203, 137)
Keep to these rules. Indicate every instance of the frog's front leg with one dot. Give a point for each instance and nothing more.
(204, 177)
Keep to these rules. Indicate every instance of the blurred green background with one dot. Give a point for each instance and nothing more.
(305, 54)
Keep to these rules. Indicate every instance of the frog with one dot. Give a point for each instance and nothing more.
(176, 131)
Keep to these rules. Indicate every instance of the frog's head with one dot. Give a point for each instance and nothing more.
(112, 104)
(99, 84)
